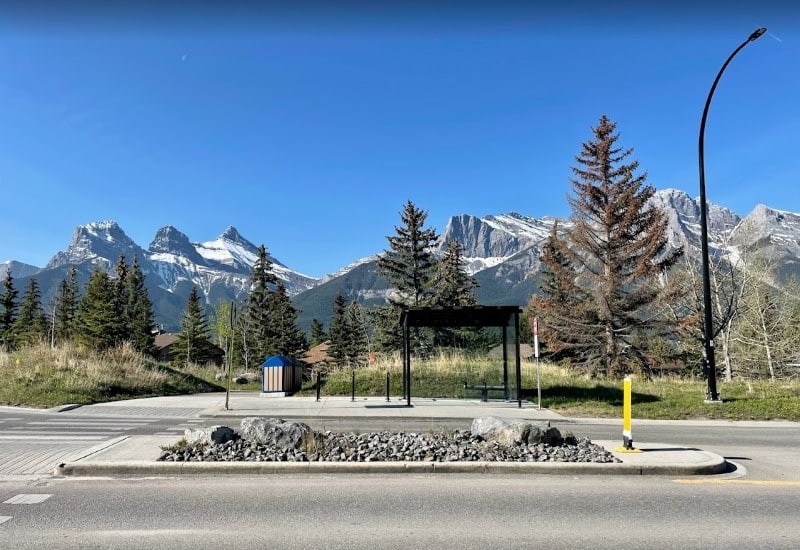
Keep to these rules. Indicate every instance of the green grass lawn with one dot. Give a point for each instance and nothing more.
(576, 395)
(43, 377)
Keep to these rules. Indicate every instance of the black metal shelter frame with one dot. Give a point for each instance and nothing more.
(467, 316)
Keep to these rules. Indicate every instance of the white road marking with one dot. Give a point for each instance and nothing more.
(4, 519)
(53, 437)
(31, 498)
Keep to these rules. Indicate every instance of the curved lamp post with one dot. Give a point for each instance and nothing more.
(708, 329)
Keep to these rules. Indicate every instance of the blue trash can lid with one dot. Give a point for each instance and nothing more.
(277, 361)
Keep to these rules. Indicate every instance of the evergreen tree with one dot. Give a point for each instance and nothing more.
(194, 341)
(339, 333)
(357, 342)
(66, 306)
(121, 298)
(559, 305)
(262, 285)
(318, 334)
(8, 311)
(284, 336)
(97, 324)
(409, 263)
(138, 311)
(387, 334)
(31, 325)
(610, 260)
(452, 286)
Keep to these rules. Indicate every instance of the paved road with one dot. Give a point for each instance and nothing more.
(32, 443)
(413, 511)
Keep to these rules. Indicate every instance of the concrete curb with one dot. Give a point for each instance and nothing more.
(713, 464)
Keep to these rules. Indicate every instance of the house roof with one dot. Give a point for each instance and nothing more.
(164, 340)
(318, 354)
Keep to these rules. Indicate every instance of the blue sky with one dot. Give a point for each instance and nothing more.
(309, 129)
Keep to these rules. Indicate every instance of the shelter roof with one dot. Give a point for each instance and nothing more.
(461, 316)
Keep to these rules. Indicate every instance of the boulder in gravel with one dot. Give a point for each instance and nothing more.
(216, 435)
(513, 431)
(276, 431)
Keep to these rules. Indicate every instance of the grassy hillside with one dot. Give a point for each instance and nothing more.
(44, 377)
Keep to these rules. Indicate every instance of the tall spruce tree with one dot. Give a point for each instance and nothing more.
(558, 305)
(358, 342)
(31, 325)
(121, 295)
(8, 310)
(610, 259)
(284, 336)
(138, 311)
(97, 324)
(452, 286)
(339, 332)
(262, 284)
(194, 340)
(409, 263)
(66, 306)
(318, 334)
(387, 334)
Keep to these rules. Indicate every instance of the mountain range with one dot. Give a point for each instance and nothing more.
(501, 251)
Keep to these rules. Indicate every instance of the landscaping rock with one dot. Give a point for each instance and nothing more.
(511, 431)
(275, 431)
(212, 435)
(455, 446)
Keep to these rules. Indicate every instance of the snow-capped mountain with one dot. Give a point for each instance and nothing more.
(502, 253)
(774, 234)
(683, 213)
(18, 269)
(99, 243)
(493, 240)
(172, 264)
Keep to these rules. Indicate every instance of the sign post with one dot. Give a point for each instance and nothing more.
(536, 354)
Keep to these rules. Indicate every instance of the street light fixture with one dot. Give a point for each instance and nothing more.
(708, 329)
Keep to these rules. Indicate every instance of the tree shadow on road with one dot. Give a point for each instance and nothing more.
(610, 395)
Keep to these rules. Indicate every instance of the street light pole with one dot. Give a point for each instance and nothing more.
(708, 329)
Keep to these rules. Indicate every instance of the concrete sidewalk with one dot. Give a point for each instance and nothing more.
(137, 455)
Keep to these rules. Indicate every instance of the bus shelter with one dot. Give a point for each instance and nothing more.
(504, 317)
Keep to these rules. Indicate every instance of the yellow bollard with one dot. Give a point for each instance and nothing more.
(627, 434)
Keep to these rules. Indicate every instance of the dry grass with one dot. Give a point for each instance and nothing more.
(42, 376)
(576, 394)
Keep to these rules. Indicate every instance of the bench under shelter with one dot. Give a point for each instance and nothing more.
(504, 317)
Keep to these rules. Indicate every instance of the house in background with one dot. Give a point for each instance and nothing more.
(318, 358)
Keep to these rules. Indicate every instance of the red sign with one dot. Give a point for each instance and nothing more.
(536, 326)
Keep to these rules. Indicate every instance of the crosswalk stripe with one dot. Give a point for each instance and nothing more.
(22, 437)
(78, 421)
(87, 431)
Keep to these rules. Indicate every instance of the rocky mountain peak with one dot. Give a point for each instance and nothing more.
(765, 225)
(98, 242)
(232, 235)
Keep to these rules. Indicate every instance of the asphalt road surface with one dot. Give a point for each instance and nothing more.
(408, 511)
(31, 443)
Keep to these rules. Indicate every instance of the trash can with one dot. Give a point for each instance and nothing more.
(280, 375)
